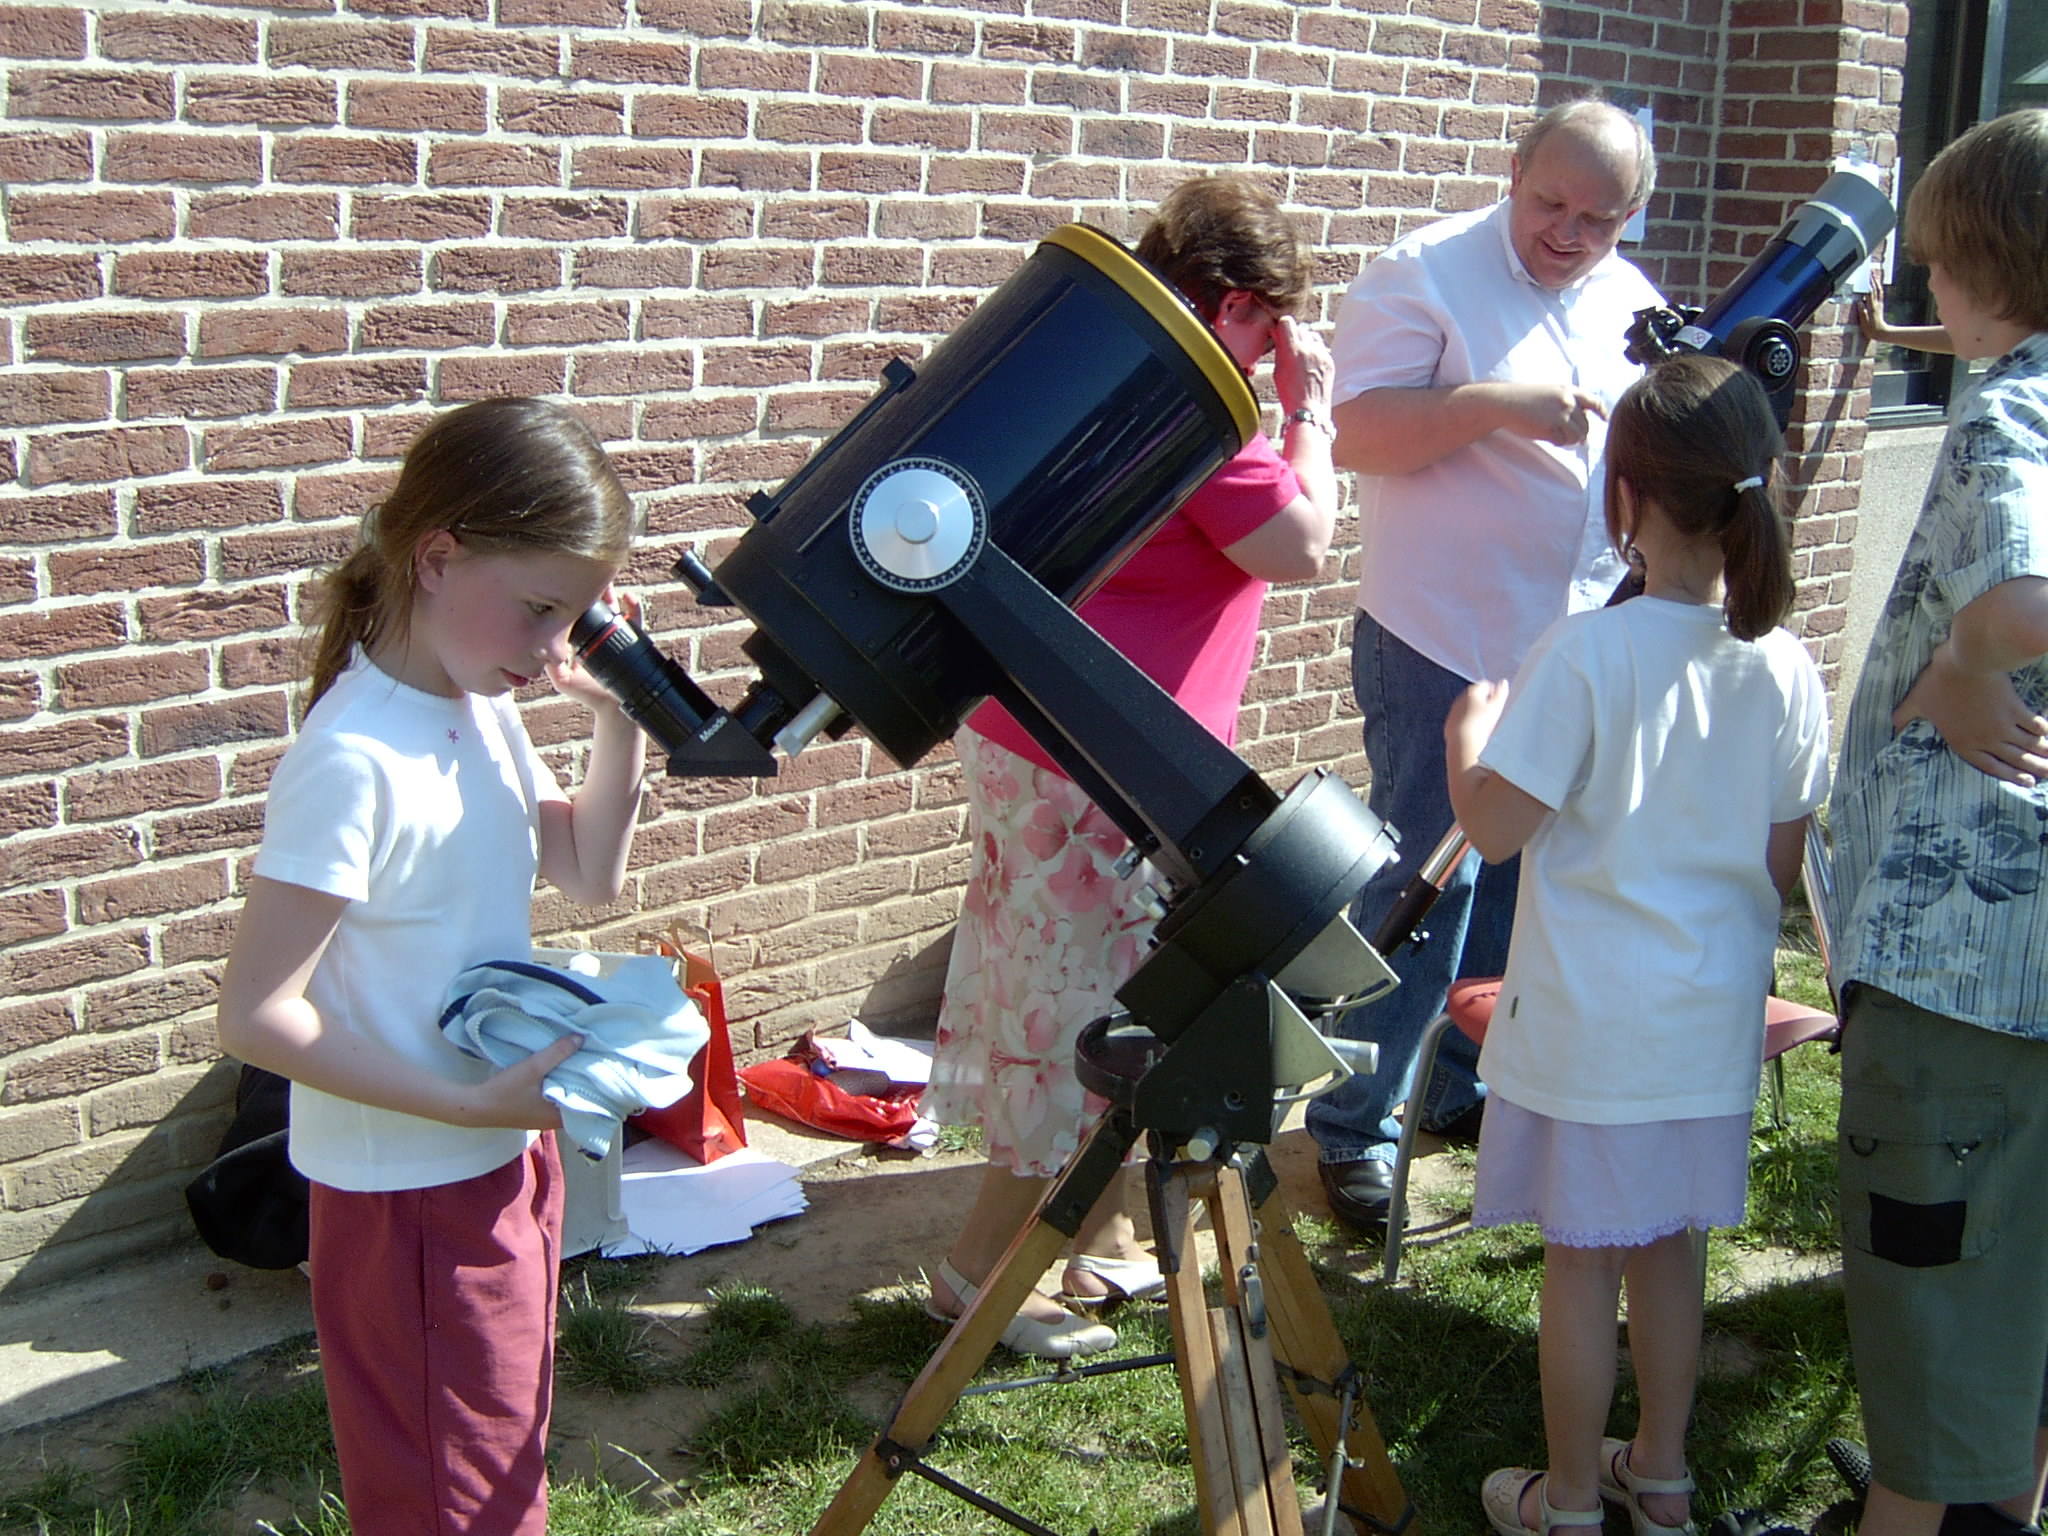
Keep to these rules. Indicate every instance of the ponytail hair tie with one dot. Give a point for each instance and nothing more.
(1753, 483)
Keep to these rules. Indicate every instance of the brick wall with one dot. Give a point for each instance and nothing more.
(250, 250)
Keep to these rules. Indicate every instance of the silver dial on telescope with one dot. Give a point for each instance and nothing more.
(918, 524)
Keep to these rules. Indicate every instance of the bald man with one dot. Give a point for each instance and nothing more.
(1476, 362)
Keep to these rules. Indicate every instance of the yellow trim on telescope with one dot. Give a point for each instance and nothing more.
(1172, 312)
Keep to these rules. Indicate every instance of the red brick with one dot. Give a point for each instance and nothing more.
(190, 727)
(263, 217)
(463, 10)
(201, 157)
(118, 792)
(493, 52)
(688, 115)
(635, 267)
(67, 1074)
(140, 678)
(433, 326)
(200, 392)
(41, 32)
(174, 39)
(752, 69)
(271, 331)
(459, 164)
(328, 160)
(212, 503)
(329, 46)
(672, 319)
(317, 498)
(48, 749)
(270, 101)
(635, 166)
(690, 217)
(274, 662)
(355, 381)
(62, 631)
(30, 915)
(46, 156)
(350, 274)
(57, 519)
(286, 552)
(633, 373)
(63, 855)
(564, 219)
(36, 1023)
(21, 695)
(106, 335)
(91, 218)
(756, 170)
(311, 440)
(814, 221)
(44, 275)
(568, 324)
(560, 114)
(497, 269)
(567, 13)
(417, 106)
(872, 174)
(867, 77)
(122, 453)
(28, 808)
(448, 216)
(92, 95)
(699, 18)
(629, 63)
(156, 1000)
(191, 274)
(481, 378)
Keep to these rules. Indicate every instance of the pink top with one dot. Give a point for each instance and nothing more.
(1180, 608)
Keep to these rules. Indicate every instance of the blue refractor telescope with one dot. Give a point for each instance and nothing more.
(1756, 321)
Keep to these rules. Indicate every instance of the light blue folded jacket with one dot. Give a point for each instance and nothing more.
(640, 1032)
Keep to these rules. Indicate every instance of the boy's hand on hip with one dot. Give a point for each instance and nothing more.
(1981, 717)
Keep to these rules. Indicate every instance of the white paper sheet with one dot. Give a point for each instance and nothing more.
(674, 1204)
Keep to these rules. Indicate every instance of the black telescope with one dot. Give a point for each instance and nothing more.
(930, 554)
(1755, 322)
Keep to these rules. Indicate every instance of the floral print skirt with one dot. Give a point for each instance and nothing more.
(1048, 931)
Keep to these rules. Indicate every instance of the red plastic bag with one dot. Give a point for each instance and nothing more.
(708, 1121)
(788, 1087)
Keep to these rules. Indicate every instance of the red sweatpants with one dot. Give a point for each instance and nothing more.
(436, 1315)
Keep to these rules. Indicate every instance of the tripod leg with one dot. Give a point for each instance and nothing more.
(1271, 1488)
(1306, 1341)
(1194, 1353)
(952, 1366)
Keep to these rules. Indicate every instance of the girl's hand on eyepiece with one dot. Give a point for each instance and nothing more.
(572, 678)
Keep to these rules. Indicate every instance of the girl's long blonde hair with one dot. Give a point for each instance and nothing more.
(504, 476)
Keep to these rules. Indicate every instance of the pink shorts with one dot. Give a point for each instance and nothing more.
(436, 1315)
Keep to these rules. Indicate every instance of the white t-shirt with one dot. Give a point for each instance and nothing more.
(423, 812)
(1646, 919)
(1469, 559)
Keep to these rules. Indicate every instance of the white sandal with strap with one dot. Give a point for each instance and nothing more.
(1127, 1279)
(1061, 1340)
(1501, 1497)
(1620, 1484)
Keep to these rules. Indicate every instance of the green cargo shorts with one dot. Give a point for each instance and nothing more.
(1943, 1150)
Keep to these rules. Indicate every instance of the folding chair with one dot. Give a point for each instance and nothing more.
(1469, 1009)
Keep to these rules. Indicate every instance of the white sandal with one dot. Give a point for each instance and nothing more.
(1127, 1279)
(1620, 1484)
(1501, 1497)
(1062, 1340)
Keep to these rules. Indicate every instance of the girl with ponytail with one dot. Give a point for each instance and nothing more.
(402, 836)
(1656, 765)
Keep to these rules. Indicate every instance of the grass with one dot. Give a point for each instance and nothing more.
(1449, 1355)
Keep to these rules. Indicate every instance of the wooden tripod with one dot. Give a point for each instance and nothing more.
(1225, 1356)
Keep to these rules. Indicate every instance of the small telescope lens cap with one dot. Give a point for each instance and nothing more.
(918, 524)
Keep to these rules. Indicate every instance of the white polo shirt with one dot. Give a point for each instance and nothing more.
(1470, 559)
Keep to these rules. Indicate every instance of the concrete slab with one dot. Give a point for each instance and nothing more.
(86, 1342)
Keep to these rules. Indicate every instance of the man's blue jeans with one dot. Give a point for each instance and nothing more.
(1404, 697)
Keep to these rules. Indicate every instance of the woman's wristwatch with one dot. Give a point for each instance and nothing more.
(1321, 423)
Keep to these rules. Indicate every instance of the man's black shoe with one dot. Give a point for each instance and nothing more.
(1359, 1193)
(1464, 1130)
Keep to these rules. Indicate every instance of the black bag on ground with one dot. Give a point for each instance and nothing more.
(249, 1203)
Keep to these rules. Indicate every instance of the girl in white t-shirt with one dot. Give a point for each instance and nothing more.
(1655, 768)
(402, 835)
